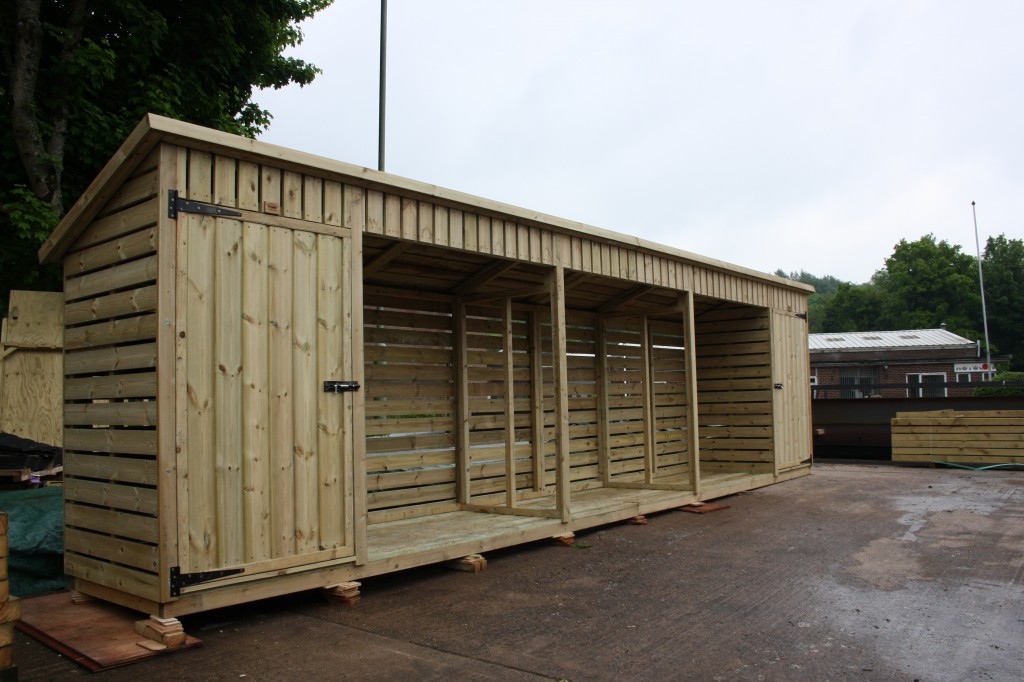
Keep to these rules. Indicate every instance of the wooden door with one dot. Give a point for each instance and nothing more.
(791, 396)
(265, 454)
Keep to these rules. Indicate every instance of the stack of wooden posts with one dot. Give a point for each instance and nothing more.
(958, 437)
(32, 367)
(10, 609)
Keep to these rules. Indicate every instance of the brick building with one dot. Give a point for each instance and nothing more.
(918, 363)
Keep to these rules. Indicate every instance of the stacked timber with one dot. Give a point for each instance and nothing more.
(10, 609)
(958, 437)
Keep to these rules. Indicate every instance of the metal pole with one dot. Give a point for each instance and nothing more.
(383, 82)
(981, 285)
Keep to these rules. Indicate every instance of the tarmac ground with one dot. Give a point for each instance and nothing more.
(856, 572)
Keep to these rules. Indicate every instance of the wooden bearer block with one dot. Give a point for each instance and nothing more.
(166, 631)
(565, 540)
(474, 563)
(638, 521)
(702, 507)
(346, 594)
(6, 642)
(81, 597)
(10, 611)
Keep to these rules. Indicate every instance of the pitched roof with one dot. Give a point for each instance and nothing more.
(153, 129)
(910, 338)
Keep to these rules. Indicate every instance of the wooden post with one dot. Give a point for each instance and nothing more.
(604, 454)
(10, 607)
(650, 451)
(462, 412)
(690, 358)
(510, 406)
(354, 217)
(537, 400)
(556, 283)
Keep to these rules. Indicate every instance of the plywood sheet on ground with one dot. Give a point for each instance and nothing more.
(96, 634)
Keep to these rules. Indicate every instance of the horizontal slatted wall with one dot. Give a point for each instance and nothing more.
(734, 388)
(410, 405)
(626, 383)
(487, 391)
(110, 468)
(668, 375)
(581, 348)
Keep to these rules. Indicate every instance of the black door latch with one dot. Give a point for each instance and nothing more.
(340, 386)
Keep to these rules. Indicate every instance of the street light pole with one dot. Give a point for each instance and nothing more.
(383, 82)
(981, 285)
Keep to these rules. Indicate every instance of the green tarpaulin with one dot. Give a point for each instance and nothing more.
(36, 539)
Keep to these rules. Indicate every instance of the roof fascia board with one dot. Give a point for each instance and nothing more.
(136, 146)
(153, 129)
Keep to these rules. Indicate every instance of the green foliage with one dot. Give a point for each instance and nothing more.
(1003, 391)
(824, 290)
(853, 308)
(825, 286)
(1003, 270)
(102, 65)
(926, 284)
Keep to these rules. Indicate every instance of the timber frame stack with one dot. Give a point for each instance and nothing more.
(284, 372)
(979, 437)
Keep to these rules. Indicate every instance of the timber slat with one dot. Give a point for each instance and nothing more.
(128, 470)
(123, 497)
(985, 437)
(116, 358)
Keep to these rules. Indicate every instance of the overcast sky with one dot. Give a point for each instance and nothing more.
(797, 135)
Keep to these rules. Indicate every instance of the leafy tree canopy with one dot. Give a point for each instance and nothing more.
(76, 76)
(926, 283)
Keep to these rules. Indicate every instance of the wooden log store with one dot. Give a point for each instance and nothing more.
(284, 372)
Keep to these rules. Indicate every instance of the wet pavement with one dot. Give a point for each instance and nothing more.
(857, 572)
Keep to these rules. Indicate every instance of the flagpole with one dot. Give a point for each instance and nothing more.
(981, 285)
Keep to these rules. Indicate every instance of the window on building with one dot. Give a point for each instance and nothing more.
(963, 377)
(924, 385)
(852, 378)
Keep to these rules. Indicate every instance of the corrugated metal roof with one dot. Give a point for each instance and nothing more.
(911, 338)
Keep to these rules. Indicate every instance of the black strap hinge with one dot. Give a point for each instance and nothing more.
(175, 204)
(181, 580)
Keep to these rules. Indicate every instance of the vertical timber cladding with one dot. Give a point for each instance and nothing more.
(110, 388)
(791, 394)
(264, 318)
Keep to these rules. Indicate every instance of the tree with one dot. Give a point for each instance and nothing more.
(1003, 270)
(77, 76)
(926, 283)
(824, 290)
(853, 308)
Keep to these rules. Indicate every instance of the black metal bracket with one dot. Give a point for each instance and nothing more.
(340, 386)
(175, 204)
(180, 580)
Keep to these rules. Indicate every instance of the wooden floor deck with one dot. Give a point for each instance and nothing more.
(395, 545)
